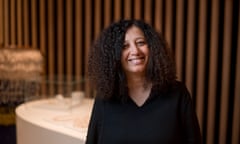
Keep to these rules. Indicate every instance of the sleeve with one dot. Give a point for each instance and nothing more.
(94, 123)
(190, 124)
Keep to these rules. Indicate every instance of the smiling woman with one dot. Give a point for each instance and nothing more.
(134, 59)
(135, 53)
(138, 99)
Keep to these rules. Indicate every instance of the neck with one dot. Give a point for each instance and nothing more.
(135, 83)
(139, 90)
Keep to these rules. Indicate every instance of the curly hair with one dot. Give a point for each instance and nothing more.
(104, 63)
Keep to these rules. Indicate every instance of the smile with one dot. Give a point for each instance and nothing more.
(137, 60)
(133, 59)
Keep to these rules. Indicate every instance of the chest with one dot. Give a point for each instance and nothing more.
(152, 123)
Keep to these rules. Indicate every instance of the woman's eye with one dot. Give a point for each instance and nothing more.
(141, 43)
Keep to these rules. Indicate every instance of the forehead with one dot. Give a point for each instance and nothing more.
(134, 31)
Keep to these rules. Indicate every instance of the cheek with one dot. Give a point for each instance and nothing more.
(123, 56)
(146, 52)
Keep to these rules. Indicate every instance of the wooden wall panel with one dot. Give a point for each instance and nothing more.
(107, 12)
(60, 37)
(19, 23)
(236, 109)
(34, 33)
(169, 22)
(127, 9)
(148, 11)
(88, 39)
(97, 18)
(1, 23)
(78, 40)
(117, 10)
(6, 23)
(26, 26)
(42, 28)
(212, 82)
(50, 44)
(201, 67)
(13, 22)
(202, 35)
(179, 38)
(69, 38)
(190, 45)
(137, 9)
(159, 15)
(51, 38)
(226, 63)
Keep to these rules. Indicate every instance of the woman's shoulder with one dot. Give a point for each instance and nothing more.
(178, 90)
(177, 86)
(98, 101)
(101, 101)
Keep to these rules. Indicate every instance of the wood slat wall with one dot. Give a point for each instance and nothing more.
(1, 23)
(203, 34)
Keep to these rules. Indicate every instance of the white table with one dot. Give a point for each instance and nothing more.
(48, 121)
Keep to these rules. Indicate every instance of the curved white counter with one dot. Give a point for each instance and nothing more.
(48, 122)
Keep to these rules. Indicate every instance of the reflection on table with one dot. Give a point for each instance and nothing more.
(52, 121)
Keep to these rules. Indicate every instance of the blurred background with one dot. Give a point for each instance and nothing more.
(203, 34)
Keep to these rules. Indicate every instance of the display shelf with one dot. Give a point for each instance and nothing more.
(37, 123)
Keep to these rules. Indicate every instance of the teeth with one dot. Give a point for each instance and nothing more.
(140, 58)
(136, 61)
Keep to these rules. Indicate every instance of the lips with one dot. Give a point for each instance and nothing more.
(136, 60)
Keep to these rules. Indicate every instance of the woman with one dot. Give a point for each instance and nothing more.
(138, 99)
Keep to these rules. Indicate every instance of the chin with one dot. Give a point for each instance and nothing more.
(137, 71)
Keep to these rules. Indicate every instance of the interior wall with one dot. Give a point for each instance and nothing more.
(203, 34)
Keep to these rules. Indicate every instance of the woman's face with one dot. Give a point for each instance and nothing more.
(135, 53)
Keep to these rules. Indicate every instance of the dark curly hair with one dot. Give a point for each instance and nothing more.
(104, 64)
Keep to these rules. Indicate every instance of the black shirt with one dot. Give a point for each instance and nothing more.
(165, 118)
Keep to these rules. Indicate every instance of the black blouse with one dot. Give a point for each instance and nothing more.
(165, 118)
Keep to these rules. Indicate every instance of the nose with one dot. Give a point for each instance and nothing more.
(134, 49)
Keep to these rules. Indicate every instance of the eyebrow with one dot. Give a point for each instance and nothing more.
(142, 37)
